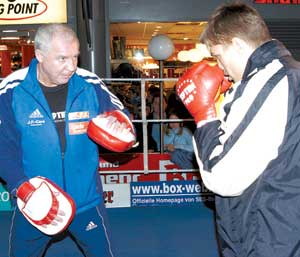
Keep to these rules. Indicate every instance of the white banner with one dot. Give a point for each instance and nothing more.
(33, 11)
(116, 195)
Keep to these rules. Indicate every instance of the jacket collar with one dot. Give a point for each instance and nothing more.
(263, 55)
(32, 85)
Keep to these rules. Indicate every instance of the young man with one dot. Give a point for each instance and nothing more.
(46, 157)
(249, 154)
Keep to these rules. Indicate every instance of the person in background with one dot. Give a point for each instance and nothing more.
(151, 91)
(178, 141)
(152, 146)
(47, 159)
(154, 128)
(175, 103)
(248, 153)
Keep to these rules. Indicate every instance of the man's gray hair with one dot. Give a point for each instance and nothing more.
(46, 33)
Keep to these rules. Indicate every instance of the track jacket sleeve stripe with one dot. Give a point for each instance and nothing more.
(102, 91)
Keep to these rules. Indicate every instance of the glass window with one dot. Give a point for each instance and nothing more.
(129, 44)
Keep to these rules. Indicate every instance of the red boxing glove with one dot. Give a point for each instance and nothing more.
(113, 130)
(45, 205)
(200, 87)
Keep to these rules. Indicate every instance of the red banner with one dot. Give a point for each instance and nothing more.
(135, 161)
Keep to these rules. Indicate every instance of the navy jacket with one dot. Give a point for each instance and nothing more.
(250, 158)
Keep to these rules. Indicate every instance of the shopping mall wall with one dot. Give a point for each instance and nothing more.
(173, 10)
(282, 16)
(283, 21)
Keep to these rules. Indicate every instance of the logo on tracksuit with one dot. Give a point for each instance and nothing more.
(90, 226)
(36, 118)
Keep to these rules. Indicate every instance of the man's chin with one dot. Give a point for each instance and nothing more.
(64, 81)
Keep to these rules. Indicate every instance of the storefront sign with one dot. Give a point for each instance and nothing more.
(33, 11)
(132, 162)
(169, 193)
(148, 189)
(277, 1)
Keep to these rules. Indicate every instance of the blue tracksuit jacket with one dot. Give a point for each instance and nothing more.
(29, 141)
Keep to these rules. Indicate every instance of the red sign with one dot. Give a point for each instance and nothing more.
(135, 161)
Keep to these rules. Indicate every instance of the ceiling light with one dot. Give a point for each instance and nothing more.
(195, 55)
(9, 31)
(161, 47)
(3, 47)
(203, 49)
(10, 38)
(183, 56)
(139, 55)
(150, 66)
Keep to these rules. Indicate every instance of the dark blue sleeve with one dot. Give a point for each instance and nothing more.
(11, 165)
(207, 138)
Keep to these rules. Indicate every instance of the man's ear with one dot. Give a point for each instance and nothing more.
(242, 46)
(39, 56)
(239, 44)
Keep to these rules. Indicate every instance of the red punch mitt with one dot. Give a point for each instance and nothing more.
(113, 130)
(45, 205)
(200, 87)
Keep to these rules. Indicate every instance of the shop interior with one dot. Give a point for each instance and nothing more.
(128, 44)
(16, 50)
(131, 55)
(130, 41)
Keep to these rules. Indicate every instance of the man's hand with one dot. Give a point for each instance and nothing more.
(170, 147)
(200, 88)
(45, 205)
(113, 130)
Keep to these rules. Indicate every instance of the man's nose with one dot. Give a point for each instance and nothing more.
(220, 65)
